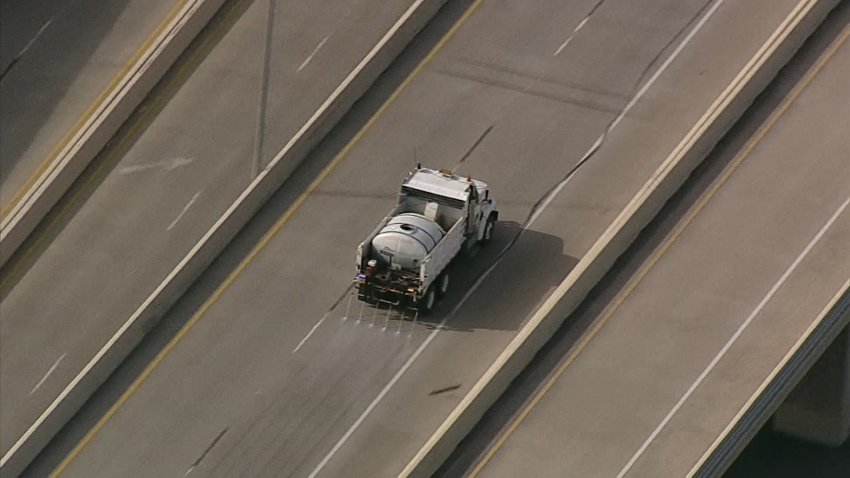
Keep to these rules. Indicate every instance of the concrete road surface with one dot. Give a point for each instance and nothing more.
(276, 376)
(168, 175)
(714, 309)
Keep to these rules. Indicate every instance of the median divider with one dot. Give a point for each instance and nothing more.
(175, 284)
(644, 205)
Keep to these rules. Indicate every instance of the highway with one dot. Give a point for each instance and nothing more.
(56, 59)
(671, 361)
(274, 374)
(169, 174)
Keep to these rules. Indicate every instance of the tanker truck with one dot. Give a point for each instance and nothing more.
(405, 260)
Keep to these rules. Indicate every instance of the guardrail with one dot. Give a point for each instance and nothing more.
(644, 205)
(218, 236)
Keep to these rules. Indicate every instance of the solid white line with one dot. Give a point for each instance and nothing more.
(185, 208)
(313, 54)
(304, 340)
(732, 339)
(41, 382)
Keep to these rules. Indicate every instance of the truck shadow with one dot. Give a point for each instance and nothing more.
(515, 278)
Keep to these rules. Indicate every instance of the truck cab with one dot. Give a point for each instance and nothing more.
(465, 193)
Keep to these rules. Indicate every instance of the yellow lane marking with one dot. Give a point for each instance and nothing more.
(51, 158)
(611, 308)
(264, 241)
(112, 152)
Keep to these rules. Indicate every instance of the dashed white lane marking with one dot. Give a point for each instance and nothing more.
(563, 45)
(570, 38)
(733, 339)
(31, 42)
(304, 340)
(167, 164)
(313, 54)
(44, 378)
(185, 208)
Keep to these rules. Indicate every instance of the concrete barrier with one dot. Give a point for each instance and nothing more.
(107, 359)
(643, 206)
(110, 111)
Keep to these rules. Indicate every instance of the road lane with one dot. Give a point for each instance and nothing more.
(177, 165)
(359, 400)
(719, 304)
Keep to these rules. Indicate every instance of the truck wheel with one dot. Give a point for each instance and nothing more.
(426, 305)
(488, 230)
(443, 284)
